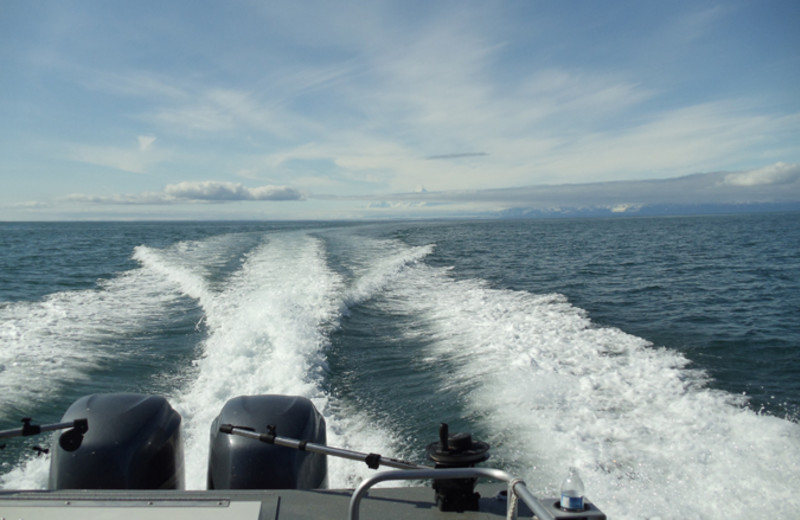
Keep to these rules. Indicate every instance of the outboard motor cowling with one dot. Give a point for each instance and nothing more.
(237, 462)
(133, 442)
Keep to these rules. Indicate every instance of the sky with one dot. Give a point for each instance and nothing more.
(193, 109)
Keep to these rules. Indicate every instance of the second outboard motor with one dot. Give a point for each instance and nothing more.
(236, 462)
(133, 442)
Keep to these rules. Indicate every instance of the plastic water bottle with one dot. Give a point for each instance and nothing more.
(572, 491)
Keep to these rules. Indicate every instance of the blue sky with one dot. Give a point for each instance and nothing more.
(236, 109)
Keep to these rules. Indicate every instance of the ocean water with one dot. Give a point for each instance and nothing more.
(660, 356)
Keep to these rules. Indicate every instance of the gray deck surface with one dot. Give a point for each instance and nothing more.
(382, 503)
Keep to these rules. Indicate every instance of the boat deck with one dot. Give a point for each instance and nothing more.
(401, 503)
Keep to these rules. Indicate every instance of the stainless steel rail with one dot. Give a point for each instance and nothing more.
(516, 487)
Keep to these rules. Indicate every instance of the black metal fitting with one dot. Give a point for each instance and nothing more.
(456, 451)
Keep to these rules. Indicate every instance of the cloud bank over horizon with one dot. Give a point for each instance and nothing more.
(775, 184)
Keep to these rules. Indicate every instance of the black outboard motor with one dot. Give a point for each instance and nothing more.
(236, 462)
(456, 450)
(133, 442)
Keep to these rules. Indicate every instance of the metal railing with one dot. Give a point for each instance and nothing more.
(411, 471)
(516, 487)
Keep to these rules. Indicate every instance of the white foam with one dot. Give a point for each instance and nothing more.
(32, 473)
(63, 337)
(268, 329)
(383, 269)
(650, 440)
(268, 326)
(189, 278)
(552, 389)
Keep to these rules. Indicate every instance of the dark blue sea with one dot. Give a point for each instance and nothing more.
(660, 356)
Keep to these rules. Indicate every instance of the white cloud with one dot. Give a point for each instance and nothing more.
(134, 159)
(146, 198)
(694, 25)
(135, 83)
(385, 204)
(194, 191)
(229, 191)
(625, 208)
(776, 174)
(145, 142)
(216, 110)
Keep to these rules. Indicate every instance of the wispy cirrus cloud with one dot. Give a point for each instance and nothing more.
(456, 155)
(145, 142)
(224, 111)
(375, 99)
(138, 157)
(376, 110)
(194, 107)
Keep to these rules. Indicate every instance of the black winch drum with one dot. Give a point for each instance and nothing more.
(237, 462)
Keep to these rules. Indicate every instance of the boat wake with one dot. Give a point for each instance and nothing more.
(530, 372)
(553, 390)
(268, 327)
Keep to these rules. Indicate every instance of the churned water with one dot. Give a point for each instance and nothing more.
(660, 356)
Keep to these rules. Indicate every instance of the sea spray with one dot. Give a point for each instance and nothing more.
(530, 334)
(61, 340)
(553, 390)
(268, 330)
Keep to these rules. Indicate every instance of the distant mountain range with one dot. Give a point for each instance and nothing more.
(649, 210)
